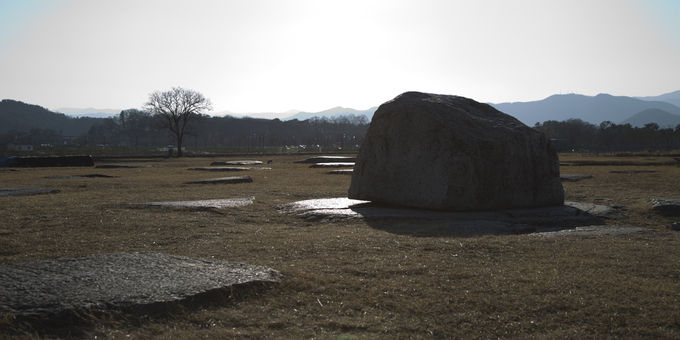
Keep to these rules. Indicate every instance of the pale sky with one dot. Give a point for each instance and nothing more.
(277, 55)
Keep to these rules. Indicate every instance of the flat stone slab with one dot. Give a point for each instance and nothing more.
(333, 165)
(84, 176)
(666, 207)
(121, 166)
(122, 280)
(573, 177)
(328, 159)
(341, 172)
(228, 168)
(569, 215)
(245, 162)
(224, 180)
(593, 230)
(632, 171)
(221, 203)
(26, 191)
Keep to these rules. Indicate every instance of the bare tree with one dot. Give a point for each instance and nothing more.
(176, 108)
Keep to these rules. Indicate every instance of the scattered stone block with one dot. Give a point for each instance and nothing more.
(49, 161)
(631, 171)
(573, 177)
(223, 180)
(121, 166)
(83, 176)
(599, 210)
(666, 207)
(593, 230)
(25, 191)
(222, 203)
(341, 172)
(328, 159)
(675, 226)
(123, 280)
(452, 153)
(570, 215)
(332, 165)
(228, 168)
(245, 162)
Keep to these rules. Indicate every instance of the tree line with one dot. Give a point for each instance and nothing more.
(577, 135)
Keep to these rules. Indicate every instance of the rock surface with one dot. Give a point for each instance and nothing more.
(245, 162)
(224, 180)
(666, 207)
(121, 166)
(108, 281)
(632, 171)
(228, 168)
(328, 159)
(26, 191)
(573, 177)
(593, 230)
(332, 165)
(453, 153)
(221, 203)
(49, 161)
(341, 172)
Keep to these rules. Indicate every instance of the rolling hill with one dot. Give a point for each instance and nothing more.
(661, 117)
(592, 109)
(22, 117)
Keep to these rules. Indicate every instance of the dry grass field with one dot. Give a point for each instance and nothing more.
(347, 279)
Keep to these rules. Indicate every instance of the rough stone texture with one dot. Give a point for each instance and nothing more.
(341, 172)
(224, 180)
(221, 203)
(675, 226)
(666, 207)
(121, 166)
(245, 162)
(25, 191)
(328, 159)
(332, 165)
(453, 153)
(573, 177)
(105, 281)
(49, 161)
(228, 168)
(603, 211)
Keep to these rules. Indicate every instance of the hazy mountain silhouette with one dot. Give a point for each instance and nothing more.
(592, 109)
(19, 116)
(671, 97)
(333, 112)
(661, 117)
(88, 112)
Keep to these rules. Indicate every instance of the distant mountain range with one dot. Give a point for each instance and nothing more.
(88, 112)
(596, 109)
(663, 110)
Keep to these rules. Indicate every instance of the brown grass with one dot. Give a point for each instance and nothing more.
(348, 279)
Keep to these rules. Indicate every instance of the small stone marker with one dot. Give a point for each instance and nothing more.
(593, 230)
(573, 177)
(631, 171)
(224, 180)
(123, 280)
(666, 207)
(332, 165)
(121, 166)
(221, 203)
(246, 162)
(341, 172)
(675, 226)
(83, 176)
(328, 159)
(228, 168)
(25, 191)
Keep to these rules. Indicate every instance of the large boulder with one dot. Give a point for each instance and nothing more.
(452, 153)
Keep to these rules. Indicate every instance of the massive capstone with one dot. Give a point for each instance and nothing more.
(452, 153)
